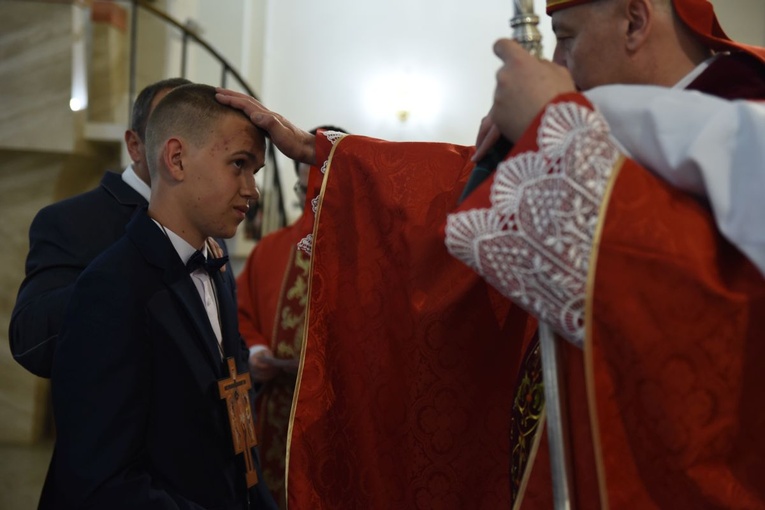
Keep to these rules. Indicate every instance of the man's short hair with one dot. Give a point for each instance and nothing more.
(142, 105)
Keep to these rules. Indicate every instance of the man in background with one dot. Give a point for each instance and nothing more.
(66, 236)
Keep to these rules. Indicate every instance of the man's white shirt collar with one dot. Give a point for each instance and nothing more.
(183, 248)
(131, 179)
(695, 73)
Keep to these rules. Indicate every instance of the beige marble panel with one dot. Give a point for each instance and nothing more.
(36, 72)
(80, 172)
(22, 473)
(108, 75)
(27, 183)
(153, 39)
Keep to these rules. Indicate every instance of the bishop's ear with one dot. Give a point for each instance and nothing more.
(172, 158)
(640, 17)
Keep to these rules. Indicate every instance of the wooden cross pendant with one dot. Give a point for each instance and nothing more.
(235, 391)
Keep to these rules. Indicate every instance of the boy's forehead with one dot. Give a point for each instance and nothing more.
(236, 135)
(239, 127)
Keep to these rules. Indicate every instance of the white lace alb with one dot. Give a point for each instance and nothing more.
(306, 244)
(534, 242)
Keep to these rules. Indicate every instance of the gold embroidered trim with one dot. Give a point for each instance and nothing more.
(307, 317)
(527, 422)
(281, 298)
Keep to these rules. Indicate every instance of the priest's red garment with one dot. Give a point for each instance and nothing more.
(404, 395)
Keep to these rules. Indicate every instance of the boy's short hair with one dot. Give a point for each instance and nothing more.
(188, 111)
(142, 106)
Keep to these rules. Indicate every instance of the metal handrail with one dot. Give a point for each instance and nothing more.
(226, 70)
(187, 33)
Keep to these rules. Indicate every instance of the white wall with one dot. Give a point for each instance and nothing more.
(332, 62)
(323, 62)
(743, 20)
(227, 27)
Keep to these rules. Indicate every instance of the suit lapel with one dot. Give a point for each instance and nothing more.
(185, 291)
(228, 319)
(159, 251)
(121, 191)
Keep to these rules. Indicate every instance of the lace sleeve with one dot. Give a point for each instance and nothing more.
(533, 243)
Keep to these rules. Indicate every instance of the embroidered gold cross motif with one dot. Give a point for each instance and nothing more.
(234, 391)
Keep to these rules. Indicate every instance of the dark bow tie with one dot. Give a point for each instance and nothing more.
(198, 261)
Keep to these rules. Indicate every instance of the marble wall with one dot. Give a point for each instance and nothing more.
(43, 157)
(48, 151)
(36, 71)
(109, 65)
(27, 181)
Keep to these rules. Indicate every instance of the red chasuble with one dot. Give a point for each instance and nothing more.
(404, 394)
(664, 404)
(677, 393)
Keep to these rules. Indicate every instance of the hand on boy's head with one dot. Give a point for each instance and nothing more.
(292, 141)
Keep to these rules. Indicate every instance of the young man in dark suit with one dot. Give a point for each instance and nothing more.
(66, 236)
(147, 338)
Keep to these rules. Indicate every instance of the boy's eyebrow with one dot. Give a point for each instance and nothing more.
(249, 155)
(245, 153)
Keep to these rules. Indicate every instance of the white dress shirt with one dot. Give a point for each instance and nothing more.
(202, 281)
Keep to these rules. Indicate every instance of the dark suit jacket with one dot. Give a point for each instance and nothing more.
(135, 396)
(63, 239)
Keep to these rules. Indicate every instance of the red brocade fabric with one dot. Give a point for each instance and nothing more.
(405, 392)
(663, 404)
(677, 385)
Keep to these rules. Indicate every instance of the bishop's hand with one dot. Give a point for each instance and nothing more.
(292, 141)
(525, 84)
